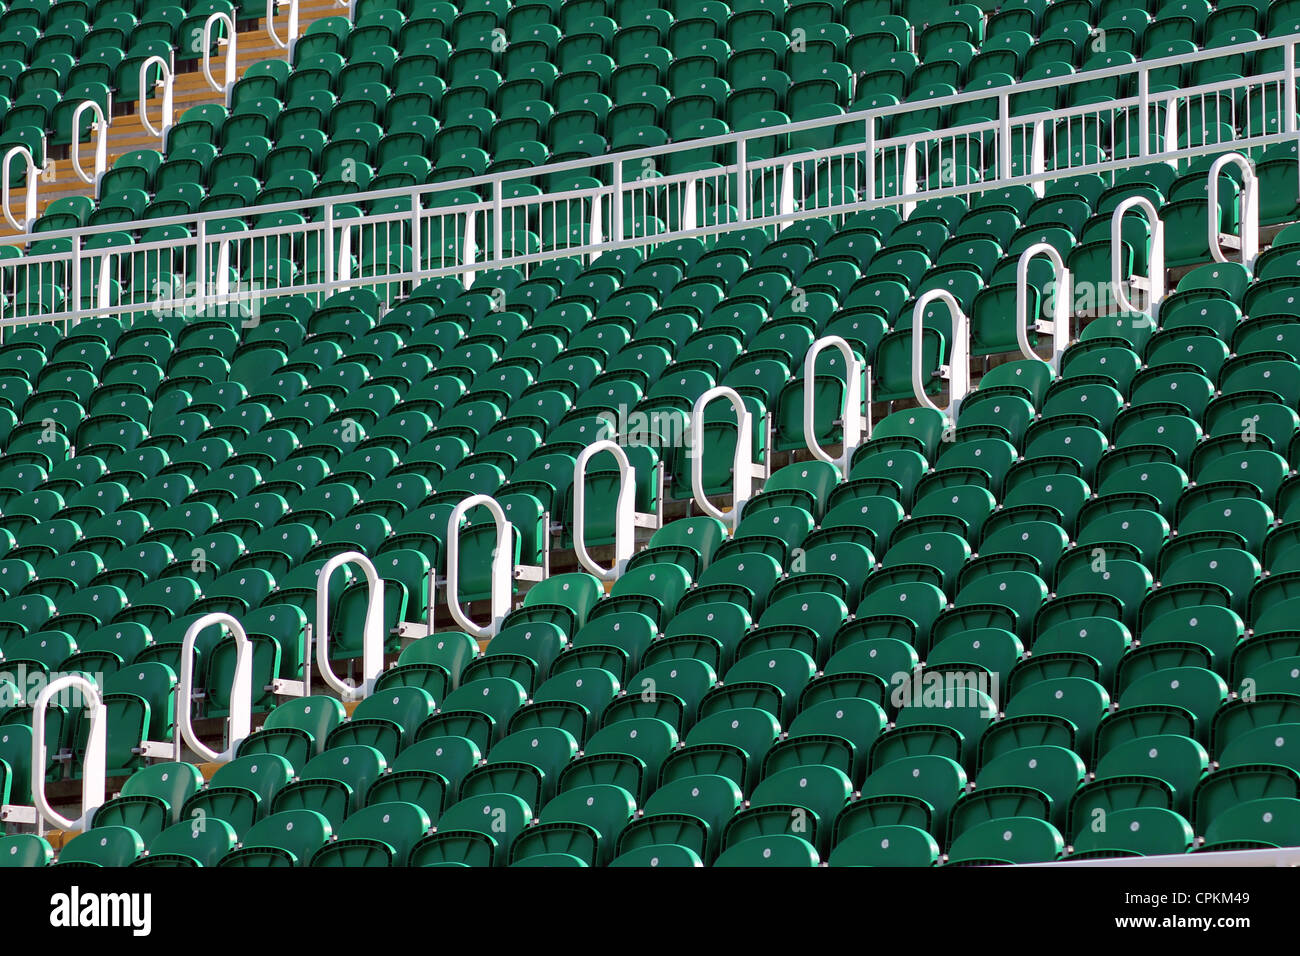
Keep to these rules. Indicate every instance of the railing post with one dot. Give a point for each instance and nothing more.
(616, 203)
(74, 281)
(1004, 135)
(328, 243)
(201, 265)
(742, 180)
(1144, 110)
(869, 146)
(417, 233)
(1288, 110)
(498, 222)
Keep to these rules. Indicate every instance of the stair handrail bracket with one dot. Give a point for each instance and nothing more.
(624, 510)
(1062, 299)
(372, 636)
(742, 472)
(1249, 208)
(101, 142)
(501, 574)
(29, 187)
(240, 717)
(167, 80)
(856, 425)
(958, 367)
(1155, 261)
(95, 766)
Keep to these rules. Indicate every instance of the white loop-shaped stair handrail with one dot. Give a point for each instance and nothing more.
(469, 250)
(624, 510)
(958, 352)
(101, 142)
(168, 82)
(1156, 258)
(501, 572)
(742, 472)
(291, 38)
(1249, 209)
(856, 425)
(372, 636)
(240, 719)
(229, 23)
(1062, 297)
(95, 766)
(29, 184)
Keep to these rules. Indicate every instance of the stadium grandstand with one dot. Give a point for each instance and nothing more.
(765, 433)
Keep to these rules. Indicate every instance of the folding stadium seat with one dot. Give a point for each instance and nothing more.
(112, 846)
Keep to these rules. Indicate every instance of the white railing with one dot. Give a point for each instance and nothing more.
(743, 470)
(372, 629)
(30, 172)
(94, 770)
(624, 510)
(1249, 208)
(167, 81)
(501, 570)
(416, 233)
(101, 142)
(229, 41)
(239, 719)
(856, 425)
(1062, 297)
(291, 33)
(956, 371)
(1155, 259)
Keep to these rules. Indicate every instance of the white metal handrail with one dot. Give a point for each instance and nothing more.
(291, 37)
(372, 630)
(239, 719)
(167, 80)
(624, 510)
(95, 766)
(1249, 208)
(500, 572)
(1062, 299)
(229, 41)
(856, 425)
(1155, 259)
(742, 468)
(957, 370)
(101, 142)
(29, 183)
